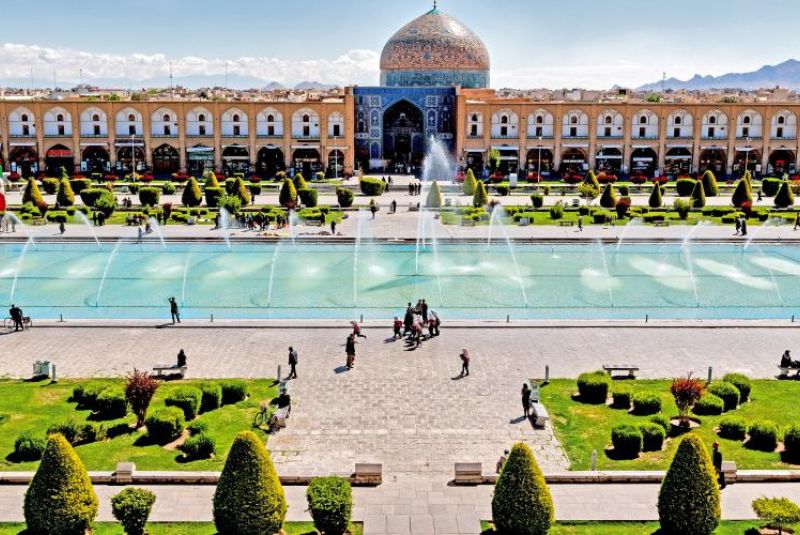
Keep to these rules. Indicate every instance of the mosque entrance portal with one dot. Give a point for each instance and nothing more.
(403, 135)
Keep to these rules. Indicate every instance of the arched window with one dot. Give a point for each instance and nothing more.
(609, 119)
(678, 119)
(539, 119)
(643, 119)
(504, 119)
(132, 118)
(573, 120)
(270, 118)
(236, 118)
(746, 119)
(166, 117)
(306, 119)
(781, 120)
(60, 117)
(712, 120)
(201, 118)
(24, 117)
(95, 117)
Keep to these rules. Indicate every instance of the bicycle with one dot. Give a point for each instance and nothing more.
(8, 323)
(263, 416)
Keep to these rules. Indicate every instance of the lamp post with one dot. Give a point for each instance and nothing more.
(539, 166)
(133, 155)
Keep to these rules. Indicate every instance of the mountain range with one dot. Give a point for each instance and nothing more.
(786, 74)
(192, 82)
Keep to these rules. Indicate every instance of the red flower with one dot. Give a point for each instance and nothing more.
(14, 176)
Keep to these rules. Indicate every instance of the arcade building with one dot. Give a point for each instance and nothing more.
(434, 83)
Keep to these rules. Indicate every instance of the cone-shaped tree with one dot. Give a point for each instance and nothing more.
(785, 197)
(748, 176)
(192, 196)
(656, 199)
(60, 499)
(243, 192)
(288, 194)
(698, 196)
(481, 197)
(434, 199)
(65, 196)
(210, 179)
(470, 183)
(710, 186)
(300, 181)
(32, 193)
(609, 197)
(689, 501)
(522, 503)
(743, 193)
(249, 499)
(591, 178)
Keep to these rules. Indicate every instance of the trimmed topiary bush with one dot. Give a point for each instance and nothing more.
(371, 187)
(627, 440)
(288, 194)
(778, 513)
(645, 403)
(785, 196)
(709, 405)
(537, 199)
(196, 427)
(689, 500)
(165, 424)
(211, 397)
(593, 387)
(481, 196)
(698, 196)
(710, 187)
(663, 421)
(308, 196)
(653, 436)
(470, 183)
(330, 503)
(732, 428)
(149, 196)
(32, 194)
(299, 181)
(186, 398)
(656, 198)
(70, 429)
(763, 436)
(249, 499)
(132, 508)
(791, 442)
(199, 446)
(522, 503)
(65, 196)
(742, 194)
(727, 392)
(622, 395)
(111, 403)
(241, 190)
(742, 383)
(29, 446)
(233, 391)
(684, 186)
(434, 199)
(60, 499)
(213, 195)
(192, 196)
(345, 197)
(609, 197)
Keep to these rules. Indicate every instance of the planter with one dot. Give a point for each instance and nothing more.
(678, 429)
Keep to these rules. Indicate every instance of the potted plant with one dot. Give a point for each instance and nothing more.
(686, 391)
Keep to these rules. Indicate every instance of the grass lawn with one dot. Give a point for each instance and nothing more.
(633, 528)
(582, 427)
(37, 405)
(182, 528)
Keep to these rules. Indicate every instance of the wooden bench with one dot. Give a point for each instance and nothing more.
(566, 223)
(630, 368)
(661, 223)
(38, 221)
(367, 474)
(786, 369)
(163, 370)
(468, 474)
(539, 413)
(728, 472)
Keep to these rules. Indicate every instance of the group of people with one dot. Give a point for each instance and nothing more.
(787, 362)
(414, 188)
(16, 316)
(387, 183)
(7, 224)
(126, 203)
(416, 319)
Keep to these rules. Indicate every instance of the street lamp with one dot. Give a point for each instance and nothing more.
(539, 166)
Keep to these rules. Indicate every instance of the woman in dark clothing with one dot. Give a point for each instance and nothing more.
(350, 349)
(526, 399)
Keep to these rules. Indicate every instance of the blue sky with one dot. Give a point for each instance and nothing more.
(589, 43)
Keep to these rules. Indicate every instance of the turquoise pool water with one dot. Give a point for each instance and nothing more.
(314, 280)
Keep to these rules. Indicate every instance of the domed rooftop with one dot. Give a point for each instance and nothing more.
(439, 45)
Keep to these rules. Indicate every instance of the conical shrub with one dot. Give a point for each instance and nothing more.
(470, 183)
(65, 196)
(288, 195)
(748, 176)
(192, 196)
(60, 499)
(591, 178)
(481, 197)
(698, 196)
(300, 181)
(32, 194)
(609, 197)
(785, 197)
(743, 193)
(434, 199)
(249, 499)
(522, 503)
(710, 186)
(210, 179)
(656, 198)
(243, 192)
(689, 500)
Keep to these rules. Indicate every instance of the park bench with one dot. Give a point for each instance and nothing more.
(539, 413)
(786, 369)
(313, 222)
(729, 471)
(163, 370)
(367, 474)
(565, 223)
(468, 474)
(630, 368)
(661, 223)
(576, 203)
(38, 221)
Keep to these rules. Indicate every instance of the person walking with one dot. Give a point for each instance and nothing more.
(397, 325)
(408, 319)
(744, 226)
(738, 226)
(357, 330)
(424, 310)
(292, 363)
(374, 209)
(333, 227)
(173, 310)
(62, 228)
(526, 399)
(350, 350)
(16, 316)
(717, 460)
(797, 221)
(464, 363)
(394, 206)
(139, 234)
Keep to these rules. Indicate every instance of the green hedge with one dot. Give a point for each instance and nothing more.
(622, 396)
(727, 392)
(211, 397)
(627, 440)
(684, 186)
(90, 196)
(709, 405)
(646, 403)
(308, 197)
(29, 446)
(770, 186)
(742, 383)
(132, 508)
(345, 197)
(199, 446)
(186, 398)
(763, 436)
(593, 387)
(371, 187)
(653, 436)
(111, 403)
(732, 427)
(791, 442)
(330, 503)
(165, 424)
(233, 391)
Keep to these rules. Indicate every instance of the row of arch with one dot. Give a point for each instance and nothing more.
(166, 159)
(164, 122)
(644, 123)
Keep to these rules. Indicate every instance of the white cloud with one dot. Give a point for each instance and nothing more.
(17, 60)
